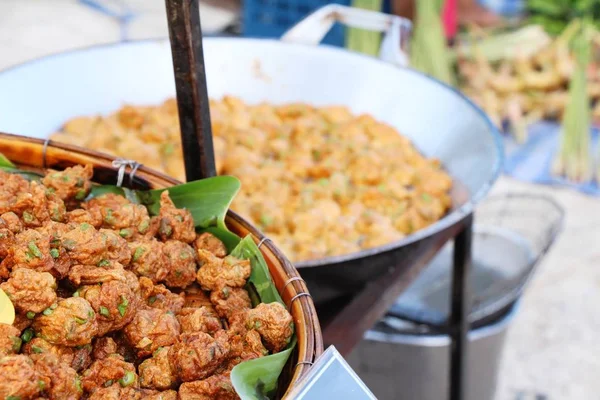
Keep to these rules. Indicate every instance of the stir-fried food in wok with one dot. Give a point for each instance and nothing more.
(113, 303)
(318, 181)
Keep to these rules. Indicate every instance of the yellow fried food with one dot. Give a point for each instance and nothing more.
(58, 380)
(228, 301)
(214, 387)
(155, 372)
(198, 355)
(150, 329)
(216, 273)
(201, 319)
(10, 342)
(101, 302)
(30, 290)
(301, 169)
(71, 323)
(104, 372)
(273, 323)
(18, 378)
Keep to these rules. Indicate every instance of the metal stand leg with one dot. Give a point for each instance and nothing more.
(458, 328)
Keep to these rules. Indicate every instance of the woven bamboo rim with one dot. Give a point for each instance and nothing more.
(37, 155)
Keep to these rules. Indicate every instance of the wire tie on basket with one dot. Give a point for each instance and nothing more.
(305, 363)
(44, 152)
(132, 173)
(262, 241)
(292, 279)
(297, 297)
(122, 164)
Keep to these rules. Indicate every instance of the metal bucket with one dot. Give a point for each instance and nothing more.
(415, 367)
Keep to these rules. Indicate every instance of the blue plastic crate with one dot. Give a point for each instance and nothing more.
(272, 18)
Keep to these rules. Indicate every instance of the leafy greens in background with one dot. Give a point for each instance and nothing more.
(208, 200)
(556, 15)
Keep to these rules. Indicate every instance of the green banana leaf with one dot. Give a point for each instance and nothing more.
(208, 201)
(30, 176)
(5, 162)
(8, 166)
(260, 277)
(257, 379)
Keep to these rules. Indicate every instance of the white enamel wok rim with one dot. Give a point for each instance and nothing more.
(447, 221)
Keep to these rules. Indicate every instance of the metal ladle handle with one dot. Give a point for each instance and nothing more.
(185, 34)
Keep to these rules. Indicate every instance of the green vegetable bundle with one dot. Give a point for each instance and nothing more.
(555, 15)
(362, 40)
(573, 159)
(429, 48)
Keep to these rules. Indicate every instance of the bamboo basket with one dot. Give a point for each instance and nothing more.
(37, 155)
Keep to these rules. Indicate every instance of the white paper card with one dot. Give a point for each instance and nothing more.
(331, 378)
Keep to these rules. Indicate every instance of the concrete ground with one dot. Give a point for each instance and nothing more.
(552, 347)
